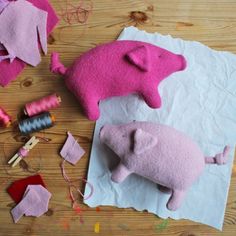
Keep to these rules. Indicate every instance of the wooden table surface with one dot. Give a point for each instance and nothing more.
(211, 22)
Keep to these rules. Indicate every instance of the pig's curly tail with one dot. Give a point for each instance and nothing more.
(56, 66)
(220, 158)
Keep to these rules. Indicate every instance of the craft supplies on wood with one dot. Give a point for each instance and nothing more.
(5, 119)
(34, 202)
(159, 153)
(23, 152)
(72, 151)
(137, 67)
(42, 105)
(36, 123)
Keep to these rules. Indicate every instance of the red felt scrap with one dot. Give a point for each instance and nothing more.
(17, 189)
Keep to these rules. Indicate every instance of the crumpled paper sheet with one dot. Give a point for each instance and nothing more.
(200, 101)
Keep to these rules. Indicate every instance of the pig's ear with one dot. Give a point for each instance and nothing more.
(139, 57)
(143, 141)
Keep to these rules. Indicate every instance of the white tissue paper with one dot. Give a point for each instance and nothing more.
(200, 101)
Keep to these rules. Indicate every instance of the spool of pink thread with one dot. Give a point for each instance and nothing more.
(44, 104)
(5, 119)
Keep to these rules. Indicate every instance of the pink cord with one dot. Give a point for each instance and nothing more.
(76, 14)
(69, 181)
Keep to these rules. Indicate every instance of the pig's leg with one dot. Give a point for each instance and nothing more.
(91, 107)
(152, 98)
(164, 189)
(120, 173)
(176, 199)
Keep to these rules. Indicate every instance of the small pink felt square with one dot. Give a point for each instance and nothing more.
(72, 151)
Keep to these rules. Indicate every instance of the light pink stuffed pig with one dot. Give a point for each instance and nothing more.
(160, 153)
(116, 69)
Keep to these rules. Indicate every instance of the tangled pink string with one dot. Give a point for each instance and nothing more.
(71, 185)
(77, 14)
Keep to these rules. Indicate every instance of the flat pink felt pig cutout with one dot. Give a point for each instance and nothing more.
(160, 153)
(34, 203)
(116, 69)
(9, 71)
(21, 23)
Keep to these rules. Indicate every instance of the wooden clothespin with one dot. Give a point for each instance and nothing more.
(23, 151)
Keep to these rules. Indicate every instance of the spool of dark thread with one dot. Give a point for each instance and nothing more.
(36, 123)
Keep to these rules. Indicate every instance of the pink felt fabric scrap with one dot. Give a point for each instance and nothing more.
(72, 151)
(30, 198)
(9, 71)
(34, 203)
(21, 24)
(42, 206)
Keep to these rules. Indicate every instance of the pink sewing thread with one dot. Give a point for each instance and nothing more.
(23, 152)
(76, 14)
(71, 185)
(44, 104)
(5, 119)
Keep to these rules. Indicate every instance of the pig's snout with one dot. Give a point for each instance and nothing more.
(111, 136)
(183, 62)
(105, 133)
(108, 136)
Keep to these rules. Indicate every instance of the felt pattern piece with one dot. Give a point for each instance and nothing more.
(29, 199)
(200, 102)
(9, 71)
(34, 203)
(72, 151)
(117, 69)
(17, 189)
(160, 153)
(40, 207)
(21, 24)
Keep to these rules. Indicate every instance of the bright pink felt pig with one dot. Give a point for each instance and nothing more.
(118, 68)
(160, 153)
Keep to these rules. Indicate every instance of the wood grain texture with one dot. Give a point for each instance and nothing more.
(208, 21)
